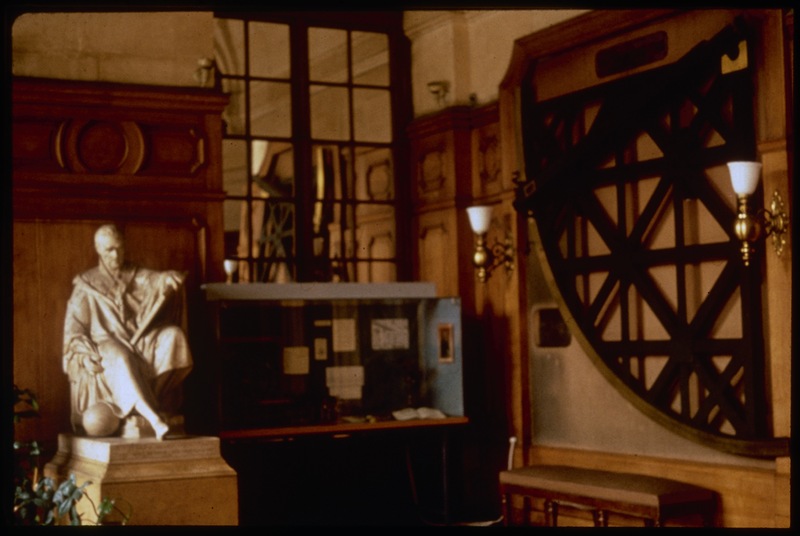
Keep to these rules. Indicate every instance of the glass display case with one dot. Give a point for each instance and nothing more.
(334, 355)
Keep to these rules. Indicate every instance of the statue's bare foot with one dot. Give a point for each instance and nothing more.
(160, 428)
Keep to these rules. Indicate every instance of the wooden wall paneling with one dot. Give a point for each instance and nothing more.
(469, 141)
(28, 309)
(440, 149)
(434, 170)
(377, 238)
(488, 177)
(498, 300)
(438, 252)
(84, 154)
(772, 133)
(440, 156)
(774, 103)
(117, 135)
(505, 291)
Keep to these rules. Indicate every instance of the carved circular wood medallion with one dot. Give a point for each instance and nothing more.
(102, 147)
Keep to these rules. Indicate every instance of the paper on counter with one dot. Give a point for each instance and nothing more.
(406, 414)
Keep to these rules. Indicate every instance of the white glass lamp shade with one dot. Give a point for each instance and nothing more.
(479, 218)
(230, 266)
(744, 176)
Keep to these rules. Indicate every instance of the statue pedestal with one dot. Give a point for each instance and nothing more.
(180, 481)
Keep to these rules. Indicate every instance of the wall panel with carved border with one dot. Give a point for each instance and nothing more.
(441, 167)
(488, 177)
(456, 162)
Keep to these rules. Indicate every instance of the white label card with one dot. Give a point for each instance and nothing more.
(344, 334)
(390, 334)
(320, 349)
(295, 360)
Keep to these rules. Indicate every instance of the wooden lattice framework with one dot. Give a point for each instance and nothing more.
(628, 189)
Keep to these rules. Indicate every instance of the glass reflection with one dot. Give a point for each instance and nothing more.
(270, 109)
(229, 46)
(273, 167)
(269, 50)
(370, 58)
(348, 188)
(330, 113)
(372, 115)
(327, 55)
(233, 117)
(374, 174)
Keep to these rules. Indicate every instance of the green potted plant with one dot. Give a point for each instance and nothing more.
(39, 500)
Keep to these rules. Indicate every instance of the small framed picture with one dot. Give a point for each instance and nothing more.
(446, 343)
(549, 328)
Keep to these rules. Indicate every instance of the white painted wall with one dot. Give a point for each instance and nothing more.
(158, 48)
(469, 49)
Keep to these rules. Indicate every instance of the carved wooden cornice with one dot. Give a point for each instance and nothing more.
(86, 133)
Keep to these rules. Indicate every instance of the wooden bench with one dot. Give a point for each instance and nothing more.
(653, 499)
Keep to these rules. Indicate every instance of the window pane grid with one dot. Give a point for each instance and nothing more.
(344, 205)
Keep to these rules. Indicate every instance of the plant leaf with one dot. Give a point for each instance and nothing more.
(106, 507)
(64, 508)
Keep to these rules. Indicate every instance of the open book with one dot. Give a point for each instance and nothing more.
(406, 414)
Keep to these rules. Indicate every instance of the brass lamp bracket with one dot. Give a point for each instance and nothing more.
(776, 222)
(486, 260)
(763, 223)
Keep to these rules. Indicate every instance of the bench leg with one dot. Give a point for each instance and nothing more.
(600, 518)
(550, 513)
(526, 510)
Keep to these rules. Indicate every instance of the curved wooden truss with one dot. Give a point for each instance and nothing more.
(630, 197)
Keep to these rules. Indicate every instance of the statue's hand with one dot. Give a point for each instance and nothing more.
(91, 364)
(173, 280)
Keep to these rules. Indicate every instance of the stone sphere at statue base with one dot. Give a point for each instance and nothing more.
(99, 420)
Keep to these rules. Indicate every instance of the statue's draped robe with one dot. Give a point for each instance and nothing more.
(141, 313)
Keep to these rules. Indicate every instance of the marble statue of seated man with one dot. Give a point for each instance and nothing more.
(125, 353)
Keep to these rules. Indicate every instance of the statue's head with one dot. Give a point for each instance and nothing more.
(110, 246)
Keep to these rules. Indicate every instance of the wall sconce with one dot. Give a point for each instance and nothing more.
(499, 254)
(749, 227)
(439, 89)
(230, 266)
(204, 71)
